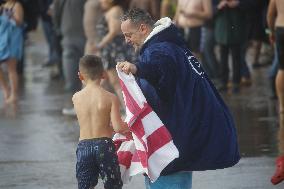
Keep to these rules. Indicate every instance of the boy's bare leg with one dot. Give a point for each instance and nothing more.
(4, 85)
(13, 78)
(280, 89)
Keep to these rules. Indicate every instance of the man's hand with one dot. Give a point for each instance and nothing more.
(127, 67)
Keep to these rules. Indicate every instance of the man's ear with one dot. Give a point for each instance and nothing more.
(144, 28)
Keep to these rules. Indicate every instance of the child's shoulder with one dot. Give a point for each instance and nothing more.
(76, 96)
(108, 95)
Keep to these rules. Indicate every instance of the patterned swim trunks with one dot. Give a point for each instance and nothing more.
(97, 157)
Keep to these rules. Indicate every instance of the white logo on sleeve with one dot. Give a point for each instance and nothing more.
(195, 65)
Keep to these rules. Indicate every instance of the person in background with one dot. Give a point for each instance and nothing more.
(11, 40)
(257, 31)
(49, 32)
(92, 15)
(255, 35)
(111, 45)
(68, 20)
(168, 8)
(151, 6)
(53, 61)
(208, 44)
(275, 20)
(230, 35)
(190, 16)
(30, 23)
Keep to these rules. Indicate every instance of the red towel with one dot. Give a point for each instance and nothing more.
(148, 148)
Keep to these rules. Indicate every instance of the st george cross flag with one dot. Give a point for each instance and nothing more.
(148, 148)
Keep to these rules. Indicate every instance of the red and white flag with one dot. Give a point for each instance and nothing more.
(148, 148)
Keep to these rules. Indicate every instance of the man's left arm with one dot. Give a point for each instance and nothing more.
(160, 71)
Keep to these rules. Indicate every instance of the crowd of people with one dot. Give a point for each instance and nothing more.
(214, 31)
(206, 31)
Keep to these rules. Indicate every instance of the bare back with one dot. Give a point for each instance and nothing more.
(187, 7)
(280, 13)
(93, 109)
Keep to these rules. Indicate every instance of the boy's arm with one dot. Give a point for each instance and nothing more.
(118, 125)
(74, 100)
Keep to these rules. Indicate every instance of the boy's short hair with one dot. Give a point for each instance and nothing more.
(92, 66)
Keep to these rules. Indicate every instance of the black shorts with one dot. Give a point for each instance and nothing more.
(97, 157)
(279, 37)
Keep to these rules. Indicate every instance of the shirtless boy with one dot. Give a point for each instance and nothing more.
(96, 108)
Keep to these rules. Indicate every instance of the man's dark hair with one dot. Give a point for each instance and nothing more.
(92, 66)
(138, 16)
